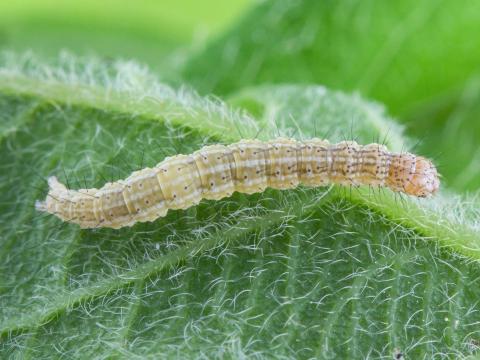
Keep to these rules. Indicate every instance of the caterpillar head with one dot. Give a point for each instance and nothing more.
(425, 180)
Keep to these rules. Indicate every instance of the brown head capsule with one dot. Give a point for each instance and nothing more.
(424, 181)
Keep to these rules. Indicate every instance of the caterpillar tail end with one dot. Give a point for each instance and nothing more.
(55, 185)
(41, 206)
(55, 192)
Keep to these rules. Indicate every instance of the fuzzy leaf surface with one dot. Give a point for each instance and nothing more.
(327, 273)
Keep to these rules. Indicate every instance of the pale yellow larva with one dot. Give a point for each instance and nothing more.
(249, 166)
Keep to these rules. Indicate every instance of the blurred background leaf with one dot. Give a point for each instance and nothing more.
(420, 58)
(145, 30)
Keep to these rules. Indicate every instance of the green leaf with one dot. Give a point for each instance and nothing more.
(420, 58)
(149, 31)
(327, 273)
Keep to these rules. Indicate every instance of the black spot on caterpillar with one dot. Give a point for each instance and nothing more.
(249, 166)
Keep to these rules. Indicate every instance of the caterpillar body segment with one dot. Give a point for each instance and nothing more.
(249, 166)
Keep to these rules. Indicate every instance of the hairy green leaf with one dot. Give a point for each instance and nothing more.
(327, 273)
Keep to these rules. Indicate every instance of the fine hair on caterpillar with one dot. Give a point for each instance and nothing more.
(249, 166)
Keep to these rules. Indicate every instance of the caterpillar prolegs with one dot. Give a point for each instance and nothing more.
(249, 166)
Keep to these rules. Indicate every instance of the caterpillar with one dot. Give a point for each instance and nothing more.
(249, 166)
